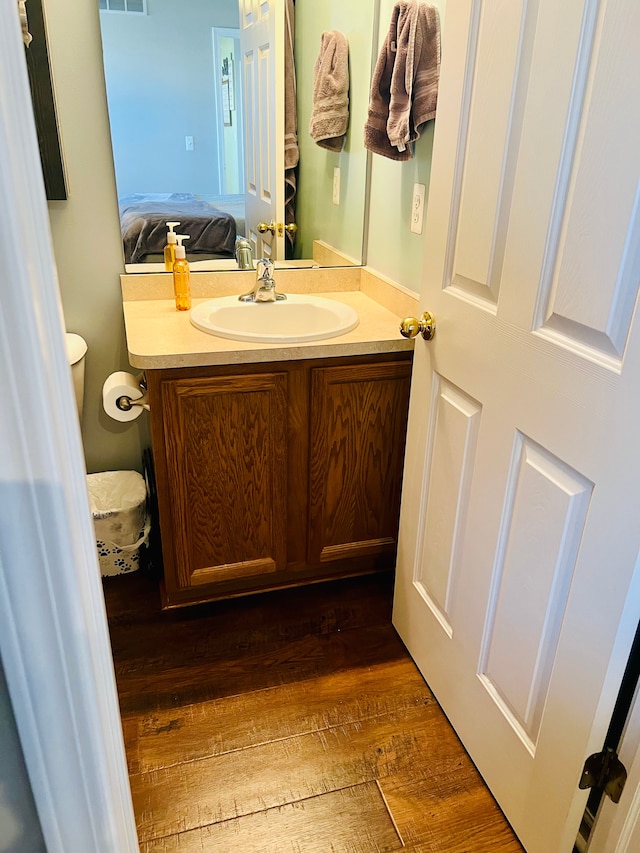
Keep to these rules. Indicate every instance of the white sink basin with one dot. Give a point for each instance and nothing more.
(297, 318)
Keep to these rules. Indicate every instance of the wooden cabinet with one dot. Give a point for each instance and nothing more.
(272, 475)
(358, 426)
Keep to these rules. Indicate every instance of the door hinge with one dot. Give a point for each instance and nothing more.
(605, 771)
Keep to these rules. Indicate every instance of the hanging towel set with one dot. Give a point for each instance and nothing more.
(404, 88)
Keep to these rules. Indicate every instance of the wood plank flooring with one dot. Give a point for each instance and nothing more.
(289, 722)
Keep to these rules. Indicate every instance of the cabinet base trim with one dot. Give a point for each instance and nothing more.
(365, 548)
(232, 571)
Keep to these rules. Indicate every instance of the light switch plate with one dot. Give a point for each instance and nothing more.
(417, 208)
(188, 143)
(336, 185)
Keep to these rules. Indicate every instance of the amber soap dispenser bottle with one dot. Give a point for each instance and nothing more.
(181, 276)
(170, 248)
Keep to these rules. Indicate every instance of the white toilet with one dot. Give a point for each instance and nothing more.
(76, 351)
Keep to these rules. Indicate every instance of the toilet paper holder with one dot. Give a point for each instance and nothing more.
(125, 403)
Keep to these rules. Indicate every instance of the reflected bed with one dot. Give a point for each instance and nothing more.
(212, 228)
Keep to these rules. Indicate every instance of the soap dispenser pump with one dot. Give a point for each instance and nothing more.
(181, 276)
(170, 248)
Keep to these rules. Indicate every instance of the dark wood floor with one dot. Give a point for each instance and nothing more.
(290, 721)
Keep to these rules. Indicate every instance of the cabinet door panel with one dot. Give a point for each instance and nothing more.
(226, 464)
(358, 422)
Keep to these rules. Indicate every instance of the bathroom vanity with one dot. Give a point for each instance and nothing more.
(274, 465)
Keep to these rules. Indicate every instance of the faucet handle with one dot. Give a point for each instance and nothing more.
(265, 268)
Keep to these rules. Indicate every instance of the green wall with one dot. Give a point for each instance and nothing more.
(339, 225)
(86, 230)
(393, 249)
(19, 823)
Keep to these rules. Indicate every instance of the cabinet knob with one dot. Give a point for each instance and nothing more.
(425, 326)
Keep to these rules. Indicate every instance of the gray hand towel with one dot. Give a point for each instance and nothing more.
(330, 113)
(404, 88)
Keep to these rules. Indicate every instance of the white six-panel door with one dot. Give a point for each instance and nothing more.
(262, 42)
(520, 524)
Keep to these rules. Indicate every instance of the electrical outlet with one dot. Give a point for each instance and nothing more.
(417, 208)
(188, 143)
(336, 185)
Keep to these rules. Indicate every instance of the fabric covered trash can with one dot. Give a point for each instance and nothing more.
(118, 502)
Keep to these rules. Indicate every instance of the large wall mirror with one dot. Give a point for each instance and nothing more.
(174, 77)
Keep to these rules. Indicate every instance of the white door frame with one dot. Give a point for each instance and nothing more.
(54, 640)
(216, 34)
(617, 826)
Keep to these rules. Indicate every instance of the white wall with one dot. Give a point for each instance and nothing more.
(159, 74)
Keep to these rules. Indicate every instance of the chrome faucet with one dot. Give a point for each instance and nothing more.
(265, 287)
(244, 258)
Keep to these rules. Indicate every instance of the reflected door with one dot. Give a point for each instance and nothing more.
(520, 529)
(262, 42)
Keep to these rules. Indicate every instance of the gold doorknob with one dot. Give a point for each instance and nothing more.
(263, 227)
(280, 227)
(425, 326)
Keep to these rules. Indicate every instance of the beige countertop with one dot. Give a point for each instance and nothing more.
(158, 336)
